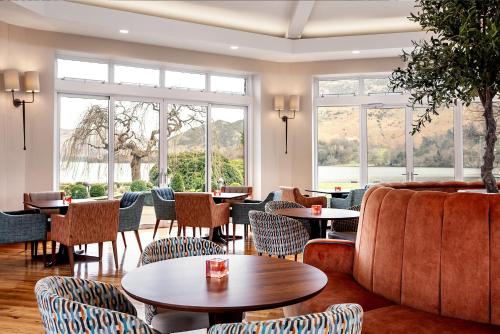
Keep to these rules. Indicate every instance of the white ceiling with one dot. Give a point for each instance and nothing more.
(270, 30)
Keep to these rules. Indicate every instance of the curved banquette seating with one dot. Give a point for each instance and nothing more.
(426, 260)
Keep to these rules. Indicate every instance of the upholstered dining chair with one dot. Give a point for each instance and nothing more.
(337, 319)
(200, 210)
(174, 248)
(292, 194)
(86, 223)
(277, 235)
(239, 211)
(164, 204)
(354, 198)
(74, 305)
(131, 206)
(238, 189)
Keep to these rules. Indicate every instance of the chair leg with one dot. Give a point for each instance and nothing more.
(138, 239)
(211, 234)
(44, 251)
(184, 231)
(156, 228)
(194, 232)
(227, 238)
(99, 245)
(245, 231)
(53, 245)
(32, 247)
(85, 248)
(71, 257)
(124, 241)
(26, 246)
(36, 247)
(171, 226)
(179, 230)
(234, 238)
(115, 254)
(201, 234)
(295, 257)
(259, 253)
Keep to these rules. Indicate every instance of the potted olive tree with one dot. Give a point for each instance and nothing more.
(459, 62)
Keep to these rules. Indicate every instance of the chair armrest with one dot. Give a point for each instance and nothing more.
(330, 255)
(220, 214)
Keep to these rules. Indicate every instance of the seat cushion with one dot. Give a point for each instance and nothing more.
(165, 193)
(402, 319)
(341, 288)
(128, 199)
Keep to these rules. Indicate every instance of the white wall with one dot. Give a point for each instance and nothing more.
(32, 170)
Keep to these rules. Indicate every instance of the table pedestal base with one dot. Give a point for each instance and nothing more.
(224, 318)
(318, 229)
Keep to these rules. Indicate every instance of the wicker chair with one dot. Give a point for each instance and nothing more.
(239, 211)
(337, 319)
(346, 228)
(164, 204)
(73, 305)
(292, 194)
(173, 248)
(24, 226)
(273, 206)
(131, 206)
(277, 235)
(353, 199)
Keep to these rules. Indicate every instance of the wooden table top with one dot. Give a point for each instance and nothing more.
(54, 204)
(326, 213)
(328, 191)
(230, 196)
(253, 283)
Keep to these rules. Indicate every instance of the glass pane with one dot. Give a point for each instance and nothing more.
(378, 86)
(228, 146)
(386, 144)
(186, 147)
(339, 87)
(184, 80)
(227, 84)
(474, 142)
(83, 136)
(75, 69)
(137, 130)
(137, 75)
(433, 150)
(338, 147)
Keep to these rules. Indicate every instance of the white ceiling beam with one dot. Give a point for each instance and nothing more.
(300, 16)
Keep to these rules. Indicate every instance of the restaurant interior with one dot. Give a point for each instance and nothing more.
(249, 167)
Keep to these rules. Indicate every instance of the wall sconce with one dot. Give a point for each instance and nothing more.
(31, 85)
(283, 113)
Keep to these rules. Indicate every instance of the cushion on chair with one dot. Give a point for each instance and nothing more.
(128, 199)
(402, 319)
(166, 193)
(45, 196)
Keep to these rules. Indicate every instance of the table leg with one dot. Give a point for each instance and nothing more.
(323, 226)
(315, 229)
(224, 318)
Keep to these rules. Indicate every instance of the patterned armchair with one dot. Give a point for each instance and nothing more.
(277, 235)
(164, 204)
(292, 194)
(173, 248)
(273, 206)
(73, 305)
(353, 198)
(86, 223)
(337, 319)
(131, 206)
(200, 210)
(23, 226)
(239, 211)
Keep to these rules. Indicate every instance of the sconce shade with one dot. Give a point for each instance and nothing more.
(11, 80)
(294, 103)
(32, 82)
(279, 102)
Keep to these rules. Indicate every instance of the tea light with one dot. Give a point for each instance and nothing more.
(217, 267)
(316, 209)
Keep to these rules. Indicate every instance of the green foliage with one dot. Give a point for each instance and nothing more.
(97, 190)
(154, 175)
(228, 170)
(177, 183)
(77, 191)
(140, 185)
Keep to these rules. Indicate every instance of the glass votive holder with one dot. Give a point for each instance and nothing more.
(338, 188)
(68, 199)
(217, 267)
(316, 209)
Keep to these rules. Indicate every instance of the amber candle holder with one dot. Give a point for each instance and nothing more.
(338, 188)
(316, 209)
(217, 267)
(68, 199)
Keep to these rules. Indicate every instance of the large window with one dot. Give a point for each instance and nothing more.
(338, 147)
(185, 80)
(83, 138)
(132, 75)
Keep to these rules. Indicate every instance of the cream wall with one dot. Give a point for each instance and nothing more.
(32, 170)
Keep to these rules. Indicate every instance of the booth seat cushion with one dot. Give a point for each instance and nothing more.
(402, 319)
(341, 288)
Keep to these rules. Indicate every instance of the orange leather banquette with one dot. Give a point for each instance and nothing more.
(424, 261)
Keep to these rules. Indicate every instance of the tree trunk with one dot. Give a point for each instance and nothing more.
(135, 167)
(491, 138)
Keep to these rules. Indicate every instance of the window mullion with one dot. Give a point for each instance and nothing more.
(208, 150)
(111, 147)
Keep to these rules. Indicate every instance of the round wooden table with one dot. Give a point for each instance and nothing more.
(318, 230)
(253, 283)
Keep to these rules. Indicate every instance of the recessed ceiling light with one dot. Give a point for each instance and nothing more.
(123, 31)
(234, 47)
(356, 52)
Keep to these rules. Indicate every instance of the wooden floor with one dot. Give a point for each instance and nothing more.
(19, 274)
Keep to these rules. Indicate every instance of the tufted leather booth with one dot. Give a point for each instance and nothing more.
(426, 260)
